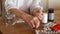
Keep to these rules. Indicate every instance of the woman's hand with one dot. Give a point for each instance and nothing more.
(33, 22)
(38, 13)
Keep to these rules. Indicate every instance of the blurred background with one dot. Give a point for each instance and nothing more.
(20, 28)
(51, 4)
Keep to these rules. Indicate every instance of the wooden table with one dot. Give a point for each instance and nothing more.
(22, 28)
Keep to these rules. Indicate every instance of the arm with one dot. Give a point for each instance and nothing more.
(29, 19)
(21, 14)
(36, 9)
(11, 7)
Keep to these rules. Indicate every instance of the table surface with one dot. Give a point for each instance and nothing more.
(22, 28)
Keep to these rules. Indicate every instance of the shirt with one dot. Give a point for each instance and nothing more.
(24, 5)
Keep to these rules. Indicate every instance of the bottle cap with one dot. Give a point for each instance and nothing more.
(51, 10)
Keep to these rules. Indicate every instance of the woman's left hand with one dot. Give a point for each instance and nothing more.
(38, 13)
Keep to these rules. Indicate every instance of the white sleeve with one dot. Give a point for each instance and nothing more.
(9, 4)
(36, 4)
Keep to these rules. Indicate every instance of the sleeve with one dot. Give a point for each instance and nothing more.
(9, 4)
(36, 4)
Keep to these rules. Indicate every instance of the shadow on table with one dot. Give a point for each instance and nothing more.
(1, 32)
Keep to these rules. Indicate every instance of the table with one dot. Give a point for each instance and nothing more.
(22, 28)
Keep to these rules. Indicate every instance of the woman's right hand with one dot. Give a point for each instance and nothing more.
(33, 22)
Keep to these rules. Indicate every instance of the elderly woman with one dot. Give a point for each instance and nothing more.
(29, 10)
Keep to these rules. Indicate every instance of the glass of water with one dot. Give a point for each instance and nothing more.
(10, 19)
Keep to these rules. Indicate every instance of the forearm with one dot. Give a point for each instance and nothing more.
(20, 14)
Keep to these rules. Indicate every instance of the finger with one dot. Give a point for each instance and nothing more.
(40, 17)
(32, 22)
(36, 22)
